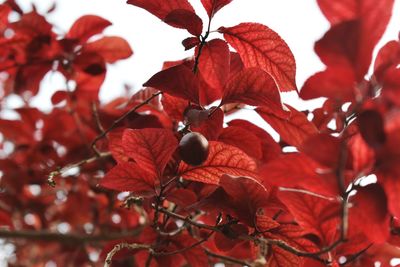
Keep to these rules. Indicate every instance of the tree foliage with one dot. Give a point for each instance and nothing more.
(114, 179)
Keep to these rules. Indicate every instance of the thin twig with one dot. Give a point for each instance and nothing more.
(122, 246)
(71, 238)
(120, 119)
(307, 192)
(53, 174)
(355, 256)
(226, 258)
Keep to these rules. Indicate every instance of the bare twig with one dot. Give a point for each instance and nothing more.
(226, 259)
(120, 119)
(53, 174)
(122, 246)
(297, 190)
(71, 238)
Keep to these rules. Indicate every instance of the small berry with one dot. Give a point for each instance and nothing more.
(193, 149)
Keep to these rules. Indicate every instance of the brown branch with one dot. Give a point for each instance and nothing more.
(195, 244)
(53, 174)
(120, 119)
(227, 258)
(122, 246)
(72, 238)
(279, 243)
(355, 256)
(202, 43)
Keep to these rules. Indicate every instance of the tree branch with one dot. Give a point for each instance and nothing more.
(120, 119)
(72, 238)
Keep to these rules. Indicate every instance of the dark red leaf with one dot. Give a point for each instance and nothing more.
(388, 55)
(370, 123)
(185, 19)
(253, 87)
(296, 170)
(111, 48)
(259, 46)
(265, 223)
(150, 148)
(161, 8)
(270, 148)
(212, 126)
(369, 213)
(195, 256)
(247, 196)
(177, 81)
(315, 215)
(236, 64)
(58, 97)
(128, 176)
(337, 83)
(323, 148)
(174, 106)
(358, 27)
(214, 63)
(190, 42)
(222, 159)
(86, 27)
(294, 129)
(213, 6)
(243, 139)
(369, 10)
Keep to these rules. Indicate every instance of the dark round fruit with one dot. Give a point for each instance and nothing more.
(193, 149)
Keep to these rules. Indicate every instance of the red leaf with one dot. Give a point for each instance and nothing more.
(253, 87)
(323, 148)
(213, 6)
(222, 159)
(236, 64)
(110, 48)
(337, 83)
(370, 123)
(178, 81)
(190, 42)
(265, 223)
(388, 55)
(369, 213)
(296, 170)
(247, 195)
(362, 156)
(214, 63)
(128, 176)
(5, 219)
(161, 8)
(195, 256)
(392, 186)
(150, 148)
(270, 148)
(315, 215)
(212, 126)
(174, 106)
(58, 97)
(294, 130)
(182, 197)
(293, 236)
(87, 26)
(259, 46)
(185, 19)
(282, 258)
(243, 139)
(363, 21)
(344, 10)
